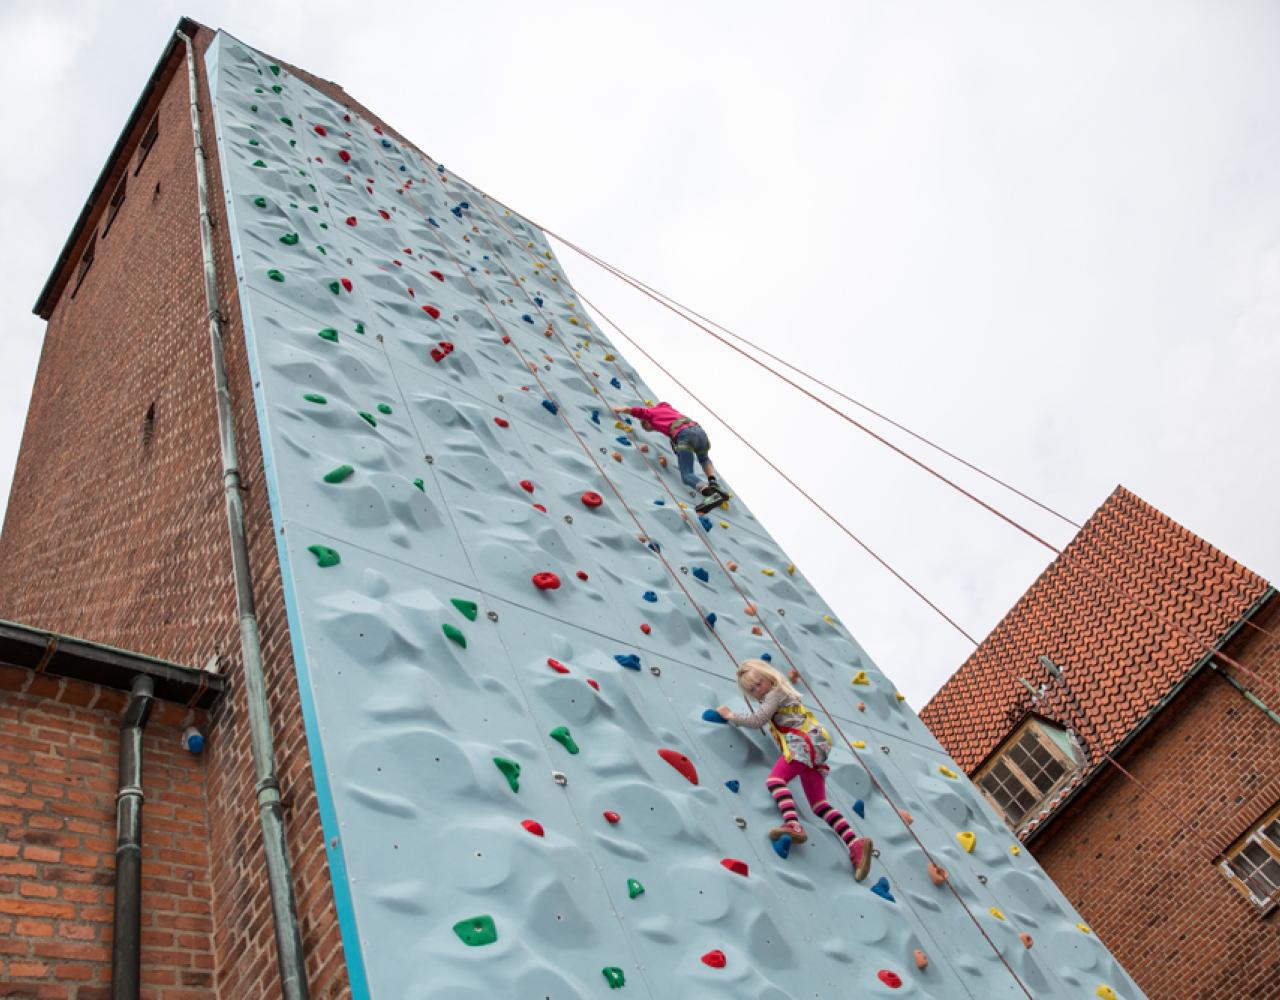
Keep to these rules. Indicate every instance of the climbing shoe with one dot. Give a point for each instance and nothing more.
(793, 830)
(711, 499)
(860, 855)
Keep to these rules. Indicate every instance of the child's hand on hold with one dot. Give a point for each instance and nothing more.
(725, 712)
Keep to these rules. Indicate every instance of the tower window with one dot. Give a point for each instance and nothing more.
(1033, 764)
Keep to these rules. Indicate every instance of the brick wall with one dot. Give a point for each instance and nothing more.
(59, 747)
(1146, 885)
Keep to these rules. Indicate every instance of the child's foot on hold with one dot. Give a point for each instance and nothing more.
(793, 830)
(860, 855)
(711, 499)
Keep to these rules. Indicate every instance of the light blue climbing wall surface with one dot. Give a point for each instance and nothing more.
(520, 795)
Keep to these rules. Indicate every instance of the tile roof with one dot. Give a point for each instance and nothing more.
(1119, 660)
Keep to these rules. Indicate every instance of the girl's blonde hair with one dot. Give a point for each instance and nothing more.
(748, 670)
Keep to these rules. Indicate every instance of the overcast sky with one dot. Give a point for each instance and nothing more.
(1046, 234)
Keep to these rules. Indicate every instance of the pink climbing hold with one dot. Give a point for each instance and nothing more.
(557, 666)
(501, 422)
(526, 485)
(546, 581)
(592, 499)
(534, 827)
(715, 959)
(681, 763)
(431, 311)
(736, 866)
(890, 979)
(611, 816)
(437, 275)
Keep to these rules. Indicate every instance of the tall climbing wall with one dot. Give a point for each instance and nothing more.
(508, 625)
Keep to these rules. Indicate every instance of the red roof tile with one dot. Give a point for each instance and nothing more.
(1118, 659)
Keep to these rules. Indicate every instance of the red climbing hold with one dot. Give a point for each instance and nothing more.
(592, 499)
(431, 311)
(438, 355)
(500, 422)
(593, 684)
(715, 959)
(377, 129)
(346, 283)
(437, 275)
(351, 220)
(344, 156)
(890, 979)
(534, 827)
(321, 130)
(446, 346)
(736, 866)
(385, 215)
(557, 666)
(611, 816)
(538, 506)
(644, 627)
(546, 581)
(526, 485)
(582, 574)
(681, 763)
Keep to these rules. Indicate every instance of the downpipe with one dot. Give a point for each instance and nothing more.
(126, 936)
(284, 910)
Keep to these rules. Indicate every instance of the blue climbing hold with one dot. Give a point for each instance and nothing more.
(651, 597)
(439, 168)
(767, 657)
(615, 383)
(655, 546)
(629, 660)
(465, 204)
(660, 502)
(782, 846)
(595, 416)
(711, 715)
(386, 144)
(623, 440)
(526, 317)
(859, 808)
(701, 574)
(550, 406)
(733, 785)
(881, 889)
(706, 523)
(456, 211)
(711, 619)
(402, 168)
(433, 222)
(537, 300)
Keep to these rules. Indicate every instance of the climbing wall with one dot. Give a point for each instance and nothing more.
(508, 626)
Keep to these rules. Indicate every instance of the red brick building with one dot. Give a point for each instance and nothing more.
(1145, 644)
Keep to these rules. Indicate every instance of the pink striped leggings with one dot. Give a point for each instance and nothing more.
(814, 784)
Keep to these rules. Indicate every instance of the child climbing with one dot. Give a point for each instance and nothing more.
(688, 441)
(805, 747)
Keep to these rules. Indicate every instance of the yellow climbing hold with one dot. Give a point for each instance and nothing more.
(946, 772)
(620, 426)
(996, 913)
(1083, 929)
(609, 357)
(827, 619)
(791, 569)
(1106, 992)
(724, 524)
(858, 744)
(860, 678)
(1015, 850)
(767, 572)
(968, 840)
(900, 696)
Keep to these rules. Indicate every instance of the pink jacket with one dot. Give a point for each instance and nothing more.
(661, 416)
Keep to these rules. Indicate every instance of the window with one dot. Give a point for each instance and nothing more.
(146, 142)
(1033, 763)
(86, 260)
(1252, 863)
(113, 207)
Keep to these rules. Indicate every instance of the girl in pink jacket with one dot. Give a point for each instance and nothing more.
(688, 441)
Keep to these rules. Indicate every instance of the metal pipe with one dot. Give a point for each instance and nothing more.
(284, 910)
(126, 966)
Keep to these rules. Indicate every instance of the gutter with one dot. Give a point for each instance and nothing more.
(126, 928)
(1204, 662)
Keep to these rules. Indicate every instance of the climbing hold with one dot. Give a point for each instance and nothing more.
(732, 566)
(592, 499)
(259, 163)
(468, 608)
(967, 840)
(715, 959)
(351, 220)
(581, 574)
(900, 696)
(562, 736)
(860, 678)
(614, 977)
(756, 630)
(510, 770)
(922, 960)
(906, 817)
(733, 785)
(557, 666)
(782, 846)
(1015, 850)
(1106, 992)
(705, 522)
(937, 874)
(736, 866)
(890, 979)
(454, 634)
(437, 275)
(325, 556)
(946, 772)
(321, 130)
(629, 660)
(368, 417)
(526, 485)
(711, 715)
(750, 609)
(260, 201)
(1026, 939)
(546, 581)
(431, 311)
(681, 763)
(534, 827)
(383, 408)
(328, 333)
(289, 239)
(593, 684)
(1083, 929)
(650, 596)
(420, 484)
(711, 619)
(995, 912)
(501, 422)
(476, 931)
(767, 657)
(767, 572)
(634, 888)
(859, 808)
(615, 383)
(858, 744)
(644, 627)
(611, 817)
(881, 889)
(339, 474)
(275, 70)
(275, 275)
(550, 406)
(698, 571)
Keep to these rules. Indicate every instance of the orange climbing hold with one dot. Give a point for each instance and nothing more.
(922, 960)
(937, 874)
(1026, 940)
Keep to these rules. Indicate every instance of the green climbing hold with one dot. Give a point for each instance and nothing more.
(253, 108)
(314, 397)
(383, 408)
(476, 931)
(419, 483)
(339, 474)
(293, 142)
(276, 88)
(312, 186)
(333, 287)
(510, 770)
(369, 418)
(254, 142)
(468, 608)
(259, 163)
(258, 90)
(260, 201)
(634, 888)
(328, 333)
(275, 275)
(323, 225)
(454, 634)
(359, 327)
(325, 556)
(614, 977)
(562, 736)
(322, 250)
(274, 69)
(287, 120)
(315, 208)
(289, 239)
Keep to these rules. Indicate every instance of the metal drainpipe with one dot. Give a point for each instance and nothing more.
(127, 927)
(284, 910)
